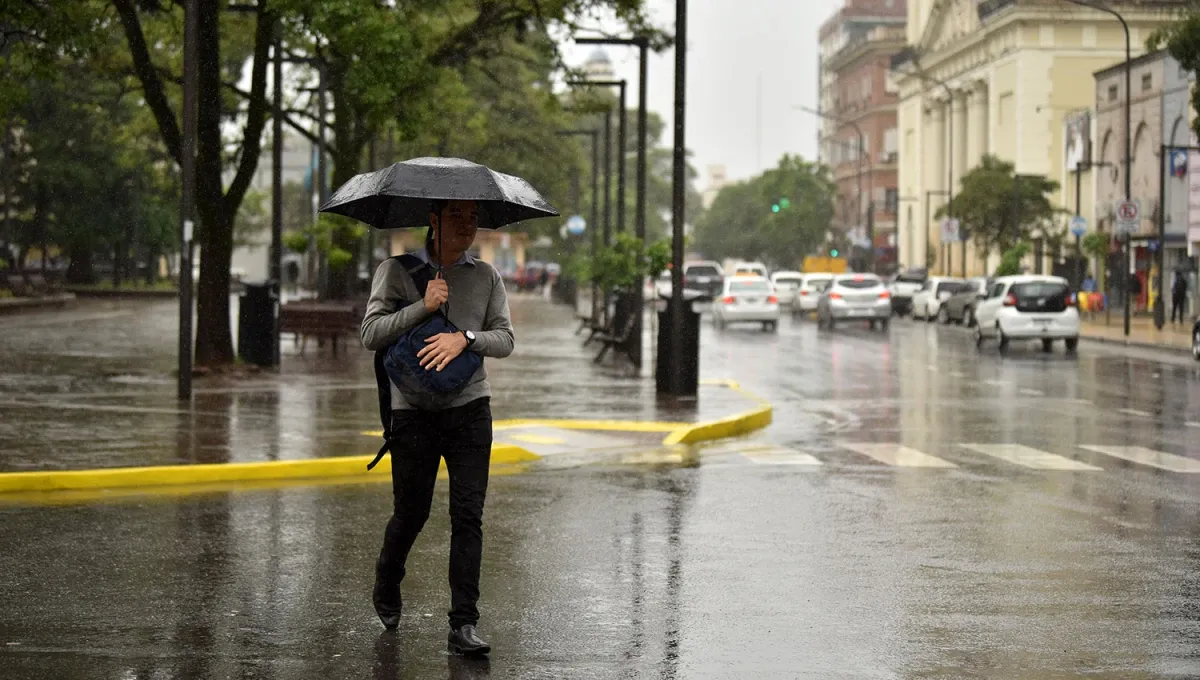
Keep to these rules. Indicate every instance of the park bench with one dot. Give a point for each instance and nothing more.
(322, 320)
(620, 341)
(37, 284)
(18, 285)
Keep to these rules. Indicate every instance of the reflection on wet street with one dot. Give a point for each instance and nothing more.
(918, 510)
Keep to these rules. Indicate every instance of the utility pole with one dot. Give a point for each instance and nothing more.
(678, 204)
(275, 267)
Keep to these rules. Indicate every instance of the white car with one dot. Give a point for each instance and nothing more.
(904, 287)
(787, 286)
(750, 269)
(936, 290)
(855, 297)
(1028, 308)
(810, 291)
(747, 300)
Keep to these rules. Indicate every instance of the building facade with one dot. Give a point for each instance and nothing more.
(996, 77)
(858, 120)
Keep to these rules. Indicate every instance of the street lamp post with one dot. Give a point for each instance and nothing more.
(595, 233)
(678, 205)
(621, 84)
(1126, 242)
(1160, 311)
(870, 180)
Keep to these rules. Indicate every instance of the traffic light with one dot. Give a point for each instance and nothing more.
(775, 208)
(784, 203)
(833, 252)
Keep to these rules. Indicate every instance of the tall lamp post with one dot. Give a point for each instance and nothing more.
(1127, 251)
(595, 235)
(187, 203)
(621, 85)
(949, 159)
(870, 181)
(675, 378)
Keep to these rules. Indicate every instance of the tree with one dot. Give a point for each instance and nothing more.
(997, 209)
(1181, 38)
(154, 45)
(778, 217)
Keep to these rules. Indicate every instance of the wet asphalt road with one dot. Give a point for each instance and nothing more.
(818, 549)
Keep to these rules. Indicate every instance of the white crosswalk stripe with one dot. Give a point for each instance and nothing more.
(778, 455)
(1145, 456)
(897, 455)
(1029, 457)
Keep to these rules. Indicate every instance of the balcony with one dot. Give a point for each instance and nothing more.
(989, 7)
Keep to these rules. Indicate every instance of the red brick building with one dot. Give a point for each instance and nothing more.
(857, 95)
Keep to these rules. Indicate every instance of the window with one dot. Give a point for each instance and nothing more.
(866, 87)
(996, 291)
(891, 201)
(749, 287)
(858, 282)
(1147, 82)
(1112, 93)
(889, 141)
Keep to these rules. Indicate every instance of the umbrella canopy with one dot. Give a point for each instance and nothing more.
(402, 195)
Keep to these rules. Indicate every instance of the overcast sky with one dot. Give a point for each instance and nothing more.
(732, 43)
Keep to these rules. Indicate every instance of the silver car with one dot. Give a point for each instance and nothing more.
(749, 299)
(855, 297)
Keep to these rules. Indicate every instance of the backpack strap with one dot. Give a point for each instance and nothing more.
(419, 271)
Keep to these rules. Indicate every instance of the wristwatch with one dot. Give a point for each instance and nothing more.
(470, 337)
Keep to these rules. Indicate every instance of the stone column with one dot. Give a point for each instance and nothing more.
(934, 179)
(977, 123)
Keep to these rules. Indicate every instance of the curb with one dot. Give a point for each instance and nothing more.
(212, 473)
(329, 470)
(15, 305)
(1104, 340)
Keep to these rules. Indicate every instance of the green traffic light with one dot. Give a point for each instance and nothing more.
(783, 203)
(833, 253)
(775, 208)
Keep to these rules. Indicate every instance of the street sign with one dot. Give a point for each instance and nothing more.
(950, 231)
(1078, 226)
(576, 224)
(1129, 216)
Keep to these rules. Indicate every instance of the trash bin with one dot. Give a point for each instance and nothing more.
(690, 346)
(258, 310)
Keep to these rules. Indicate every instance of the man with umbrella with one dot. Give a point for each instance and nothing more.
(422, 424)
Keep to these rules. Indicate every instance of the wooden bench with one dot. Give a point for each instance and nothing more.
(17, 284)
(38, 284)
(619, 341)
(322, 320)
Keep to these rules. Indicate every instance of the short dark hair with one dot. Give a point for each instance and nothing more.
(436, 207)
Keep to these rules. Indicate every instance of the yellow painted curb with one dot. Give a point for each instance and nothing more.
(741, 423)
(598, 425)
(166, 475)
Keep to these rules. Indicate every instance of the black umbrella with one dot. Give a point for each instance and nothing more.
(402, 195)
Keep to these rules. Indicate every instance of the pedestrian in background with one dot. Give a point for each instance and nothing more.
(427, 427)
(1179, 294)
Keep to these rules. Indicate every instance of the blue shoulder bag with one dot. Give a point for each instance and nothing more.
(401, 362)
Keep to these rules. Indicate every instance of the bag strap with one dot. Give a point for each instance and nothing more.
(419, 271)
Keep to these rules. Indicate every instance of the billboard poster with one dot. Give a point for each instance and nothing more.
(1193, 180)
(1077, 136)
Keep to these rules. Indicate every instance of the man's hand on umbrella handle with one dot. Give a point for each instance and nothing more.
(441, 349)
(436, 294)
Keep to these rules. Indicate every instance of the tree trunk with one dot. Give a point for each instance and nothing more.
(80, 271)
(214, 341)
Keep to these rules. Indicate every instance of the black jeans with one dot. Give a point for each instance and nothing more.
(1178, 303)
(463, 436)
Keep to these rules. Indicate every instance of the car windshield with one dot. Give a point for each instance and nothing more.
(948, 287)
(788, 282)
(702, 270)
(749, 287)
(859, 282)
(818, 284)
(909, 278)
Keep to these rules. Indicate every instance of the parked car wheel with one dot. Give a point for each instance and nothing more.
(943, 316)
(1047, 346)
(978, 337)
(1072, 343)
(1003, 339)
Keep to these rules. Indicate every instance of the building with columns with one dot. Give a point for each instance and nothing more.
(856, 96)
(996, 77)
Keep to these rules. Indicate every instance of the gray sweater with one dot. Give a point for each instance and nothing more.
(477, 302)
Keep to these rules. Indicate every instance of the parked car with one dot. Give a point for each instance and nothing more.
(750, 269)
(787, 286)
(860, 297)
(1196, 339)
(810, 291)
(960, 307)
(747, 300)
(1028, 307)
(704, 276)
(935, 291)
(903, 287)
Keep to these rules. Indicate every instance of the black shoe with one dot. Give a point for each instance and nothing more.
(465, 640)
(386, 597)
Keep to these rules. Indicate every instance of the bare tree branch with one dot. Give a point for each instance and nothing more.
(152, 86)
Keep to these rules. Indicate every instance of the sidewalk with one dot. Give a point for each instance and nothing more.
(1142, 333)
(86, 389)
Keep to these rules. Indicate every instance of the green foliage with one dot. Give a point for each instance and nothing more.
(1181, 38)
(998, 211)
(338, 259)
(1095, 244)
(742, 224)
(1010, 261)
(626, 263)
(297, 241)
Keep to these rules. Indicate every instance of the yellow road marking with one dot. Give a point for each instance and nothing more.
(537, 439)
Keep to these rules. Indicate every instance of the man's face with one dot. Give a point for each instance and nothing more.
(459, 222)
